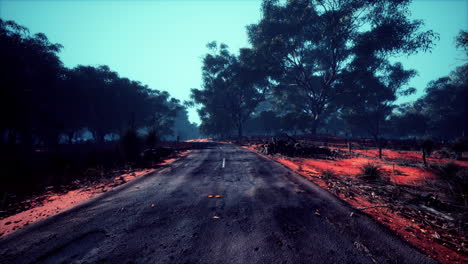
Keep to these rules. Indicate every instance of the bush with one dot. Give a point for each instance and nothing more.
(447, 171)
(371, 171)
(456, 177)
(446, 153)
(460, 146)
(328, 174)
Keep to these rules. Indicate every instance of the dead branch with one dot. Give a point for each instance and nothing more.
(370, 207)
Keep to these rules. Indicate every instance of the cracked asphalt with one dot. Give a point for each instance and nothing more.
(265, 214)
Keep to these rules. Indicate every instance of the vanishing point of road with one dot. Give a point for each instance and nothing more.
(266, 214)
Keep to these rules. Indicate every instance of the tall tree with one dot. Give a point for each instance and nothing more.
(370, 97)
(442, 111)
(232, 89)
(30, 73)
(309, 44)
(444, 104)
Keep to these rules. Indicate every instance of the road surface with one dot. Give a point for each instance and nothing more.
(266, 214)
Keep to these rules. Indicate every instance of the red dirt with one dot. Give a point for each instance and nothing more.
(54, 203)
(409, 229)
(412, 156)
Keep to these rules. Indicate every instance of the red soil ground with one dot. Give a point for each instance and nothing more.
(51, 203)
(409, 229)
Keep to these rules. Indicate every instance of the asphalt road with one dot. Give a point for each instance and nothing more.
(266, 214)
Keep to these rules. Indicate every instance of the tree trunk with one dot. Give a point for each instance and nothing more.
(99, 136)
(424, 157)
(70, 138)
(313, 130)
(239, 130)
(378, 144)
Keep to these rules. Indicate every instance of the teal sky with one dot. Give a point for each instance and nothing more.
(161, 43)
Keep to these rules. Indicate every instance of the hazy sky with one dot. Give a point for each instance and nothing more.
(161, 43)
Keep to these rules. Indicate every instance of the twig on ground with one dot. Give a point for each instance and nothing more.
(370, 207)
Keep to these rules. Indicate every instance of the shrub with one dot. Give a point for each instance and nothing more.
(460, 146)
(446, 153)
(328, 174)
(371, 171)
(447, 170)
(456, 177)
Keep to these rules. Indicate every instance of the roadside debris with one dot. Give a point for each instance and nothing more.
(406, 196)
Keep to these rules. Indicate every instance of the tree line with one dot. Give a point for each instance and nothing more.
(44, 103)
(329, 67)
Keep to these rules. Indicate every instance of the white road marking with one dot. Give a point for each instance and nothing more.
(224, 162)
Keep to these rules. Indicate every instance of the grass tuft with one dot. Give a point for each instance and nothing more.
(371, 172)
(328, 174)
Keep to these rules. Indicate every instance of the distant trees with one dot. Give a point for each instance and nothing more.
(442, 111)
(42, 101)
(30, 72)
(323, 62)
(182, 127)
(462, 43)
(232, 88)
(370, 96)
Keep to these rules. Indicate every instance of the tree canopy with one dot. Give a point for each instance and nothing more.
(233, 86)
(313, 46)
(42, 101)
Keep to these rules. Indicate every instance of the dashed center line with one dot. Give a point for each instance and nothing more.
(224, 162)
